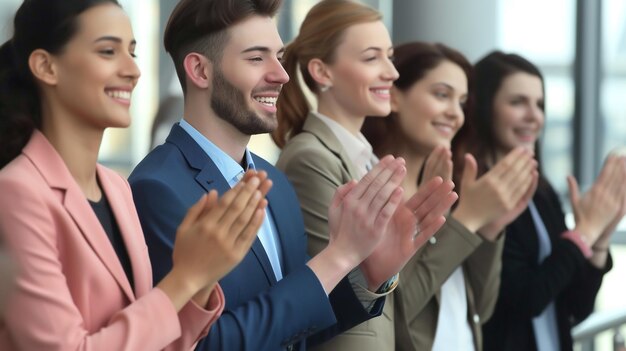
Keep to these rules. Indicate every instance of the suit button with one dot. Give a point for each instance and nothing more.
(476, 318)
(432, 240)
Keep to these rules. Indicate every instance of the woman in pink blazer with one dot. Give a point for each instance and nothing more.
(84, 280)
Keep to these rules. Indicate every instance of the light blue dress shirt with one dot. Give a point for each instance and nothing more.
(233, 172)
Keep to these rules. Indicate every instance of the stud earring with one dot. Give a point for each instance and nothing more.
(324, 88)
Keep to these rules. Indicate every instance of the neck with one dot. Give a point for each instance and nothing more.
(78, 145)
(221, 133)
(331, 109)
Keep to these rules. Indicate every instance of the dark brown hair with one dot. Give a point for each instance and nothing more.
(201, 26)
(477, 135)
(38, 24)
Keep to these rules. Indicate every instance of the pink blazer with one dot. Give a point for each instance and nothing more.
(71, 290)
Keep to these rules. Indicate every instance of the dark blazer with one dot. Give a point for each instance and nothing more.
(527, 287)
(260, 313)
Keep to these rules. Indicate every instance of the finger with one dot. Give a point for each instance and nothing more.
(384, 196)
(505, 165)
(381, 188)
(383, 217)
(249, 233)
(517, 168)
(223, 206)
(265, 186)
(574, 194)
(431, 221)
(438, 202)
(385, 167)
(193, 213)
(522, 184)
(239, 222)
(605, 173)
(432, 210)
(341, 193)
(470, 170)
(248, 196)
(249, 174)
(423, 193)
(617, 179)
(518, 177)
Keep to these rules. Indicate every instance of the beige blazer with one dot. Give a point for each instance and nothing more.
(316, 164)
(418, 294)
(71, 290)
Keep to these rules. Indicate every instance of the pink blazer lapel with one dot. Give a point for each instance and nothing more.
(128, 221)
(53, 169)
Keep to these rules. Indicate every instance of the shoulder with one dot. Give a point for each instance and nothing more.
(165, 162)
(306, 151)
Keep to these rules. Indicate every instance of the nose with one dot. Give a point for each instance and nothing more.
(391, 73)
(455, 111)
(277, 73)
(130, 70)
(534, 114)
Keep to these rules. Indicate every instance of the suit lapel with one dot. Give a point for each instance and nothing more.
(54, 170)
(124, 213)
(317, 127)
(209, 177)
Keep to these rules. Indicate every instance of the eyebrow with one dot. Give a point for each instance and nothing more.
(448, 86)
(112, 38)
(375, 48)
(264, 49)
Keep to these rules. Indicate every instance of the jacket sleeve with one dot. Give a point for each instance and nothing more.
(527, 287)
(483, 269)
(580, 295)
(430, 267)
(42, 314)
(315, 174)
(283, 314)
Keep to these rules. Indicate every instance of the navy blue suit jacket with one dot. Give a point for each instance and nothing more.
(260, 313)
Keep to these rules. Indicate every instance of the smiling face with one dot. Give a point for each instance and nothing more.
(362, 73)
(96, 71)
(518, 112)
(249, 77)
(430, 112)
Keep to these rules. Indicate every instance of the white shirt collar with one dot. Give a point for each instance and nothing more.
(359, 150)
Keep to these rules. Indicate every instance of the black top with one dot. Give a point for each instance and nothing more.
(527, 286)
(109, 224)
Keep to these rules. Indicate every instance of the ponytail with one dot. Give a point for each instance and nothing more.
(19, 105)
(292, 105)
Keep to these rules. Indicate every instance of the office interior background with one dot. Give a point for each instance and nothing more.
(579, 45)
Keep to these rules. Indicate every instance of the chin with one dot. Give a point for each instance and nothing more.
(379, 112)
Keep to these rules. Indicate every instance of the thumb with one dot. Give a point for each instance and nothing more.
(574, 193)
(470, 170)
(341, 193)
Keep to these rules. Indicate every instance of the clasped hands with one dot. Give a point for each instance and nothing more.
(373, 227)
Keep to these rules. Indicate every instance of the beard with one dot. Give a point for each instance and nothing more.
(229, 104)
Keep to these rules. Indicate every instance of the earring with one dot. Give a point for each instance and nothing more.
(324, 88)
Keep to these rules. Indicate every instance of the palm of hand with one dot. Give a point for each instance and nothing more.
(396, 249)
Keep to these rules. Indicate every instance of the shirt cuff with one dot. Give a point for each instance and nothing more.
(366, 297)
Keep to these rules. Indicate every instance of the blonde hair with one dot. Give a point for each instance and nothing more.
(320, 35)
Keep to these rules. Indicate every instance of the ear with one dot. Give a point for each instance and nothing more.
(396, 98)
(320, 72)
(43, 67)
(198, 70)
